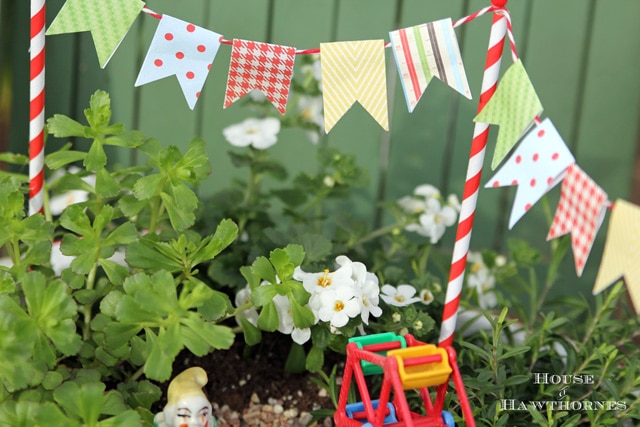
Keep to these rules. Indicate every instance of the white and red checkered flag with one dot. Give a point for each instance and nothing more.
(263, 66)
(580, 211)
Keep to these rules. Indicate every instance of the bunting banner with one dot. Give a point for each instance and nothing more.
(620, 256)
(354, 71)
(535, 167)
(513, 107)
(263, 66)
(426, 51)
(108, 21)
(580, 211)
(181, 49)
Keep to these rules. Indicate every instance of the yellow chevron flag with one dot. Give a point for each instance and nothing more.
(620, 257)
(354, 71)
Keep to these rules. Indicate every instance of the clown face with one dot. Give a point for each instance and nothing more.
(189, 412)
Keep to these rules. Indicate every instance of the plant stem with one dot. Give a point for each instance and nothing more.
(377, 233)
(88, 308)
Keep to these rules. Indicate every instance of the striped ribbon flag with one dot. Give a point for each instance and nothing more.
(354, 71)
(426, 51)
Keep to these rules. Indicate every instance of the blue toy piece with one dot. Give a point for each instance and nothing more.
(356, 411)
(448, 419)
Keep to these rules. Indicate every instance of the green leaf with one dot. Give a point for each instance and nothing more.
(268, 318)
(262, 295)
(62, 126)
(149, 186)
(315, 359)
(252, 335)
(263, 269)
(181, 203)
(14, 158)
(130, 139)
(302, 316)
(96, 157)
(129, 418)
(115, 272)
(151, 255)
(124, 234)
(164, 351)
(118, 334)
(59, 159)
(75, 219)
(84, 401)
(106, 185)
(99, 112)
(225, 234)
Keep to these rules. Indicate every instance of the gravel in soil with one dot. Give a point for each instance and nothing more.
(248, 386)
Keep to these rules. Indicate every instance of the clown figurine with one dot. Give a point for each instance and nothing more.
(187, 406)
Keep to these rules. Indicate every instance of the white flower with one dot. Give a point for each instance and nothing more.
(428, 191)
(433, 217)
(259, 133)
(481, 278)
(319, 282)
(426, 297)
(243, 297)
(338, 305)
(401, 296)
(434, 221)
(314, 69)
(311, 110)
(285, 321)
(6, 262)
(367, 289)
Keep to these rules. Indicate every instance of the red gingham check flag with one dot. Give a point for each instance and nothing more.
(262, 66)
(580, 212)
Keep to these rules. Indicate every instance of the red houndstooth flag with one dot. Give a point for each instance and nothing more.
(580, 212)
(262, 66)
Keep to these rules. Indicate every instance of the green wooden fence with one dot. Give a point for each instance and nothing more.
(582, 56)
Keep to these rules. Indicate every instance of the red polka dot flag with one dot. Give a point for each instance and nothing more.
(263, 66)
(536, 166)
(181, 49)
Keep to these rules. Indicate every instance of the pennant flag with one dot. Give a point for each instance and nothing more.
(514, 106)
(353, 71)
(580, 212)
(621, 249)
(181, 49)
(536, 166)
(426, 51)
(109, 21)
(263, 66)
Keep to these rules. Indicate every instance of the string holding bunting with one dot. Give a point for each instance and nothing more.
(620, 256)
(263, 66)
(354, 71)
(182, 49)
(108, 21)
(580, 211)
(513, 107)
(535, 167)
(425, 51)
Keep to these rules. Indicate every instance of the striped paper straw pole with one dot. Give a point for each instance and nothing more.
(472, 183)
(36, 107)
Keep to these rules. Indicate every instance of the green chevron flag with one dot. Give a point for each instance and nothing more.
(513, 107)
(109, 21)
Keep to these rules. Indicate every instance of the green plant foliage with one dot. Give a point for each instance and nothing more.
(100, 297)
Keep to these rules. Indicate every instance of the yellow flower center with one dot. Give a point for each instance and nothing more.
(475, 267)
(339, 306)
(399, 298)
(324, 281)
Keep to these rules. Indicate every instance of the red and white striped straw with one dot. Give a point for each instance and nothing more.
(36, 106)
(472, 183)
